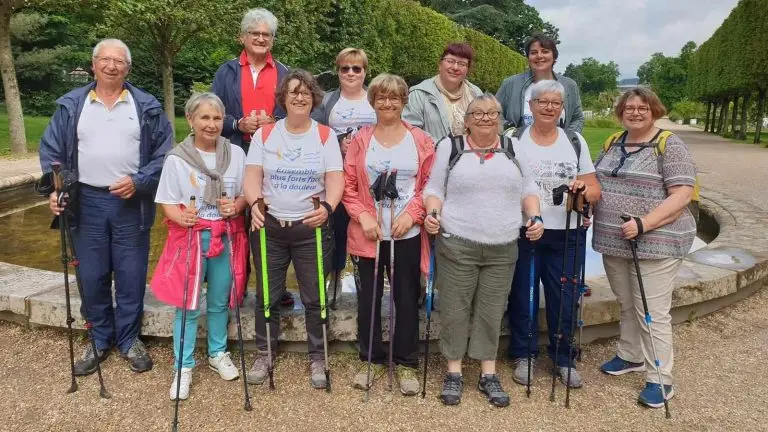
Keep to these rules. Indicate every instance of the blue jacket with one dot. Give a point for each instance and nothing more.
(226, 85)
(59, 144)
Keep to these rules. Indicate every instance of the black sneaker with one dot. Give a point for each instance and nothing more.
(453, 385)
(138, 357)
(88, 362)
(490, 386)
(286, 300)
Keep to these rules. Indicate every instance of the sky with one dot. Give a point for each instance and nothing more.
(629, 31)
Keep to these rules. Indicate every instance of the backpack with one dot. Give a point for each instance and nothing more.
(573, 138)
(323, 130)
(659, 144)
(458, 149)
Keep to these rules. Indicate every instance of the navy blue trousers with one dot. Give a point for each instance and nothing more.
(109, 242)
(339, 224)
(548, 264)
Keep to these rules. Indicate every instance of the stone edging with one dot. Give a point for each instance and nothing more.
(732, 265)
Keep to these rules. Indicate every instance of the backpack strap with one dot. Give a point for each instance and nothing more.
(508, 149)
(573, 137)
(265, 132)
(519, 132)
(457, 149)
(613, 139)
(324, 131)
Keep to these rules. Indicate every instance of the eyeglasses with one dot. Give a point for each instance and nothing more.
(356, 69)
(295, 94)
(103, 61)
(543, 103)
(643, 109)
(262, 35)
(478, 115)
(457, 63)
(394, 100)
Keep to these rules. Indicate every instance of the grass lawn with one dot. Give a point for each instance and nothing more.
(595, 138)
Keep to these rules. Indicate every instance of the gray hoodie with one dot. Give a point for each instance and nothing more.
(426, 108)
(511, 92)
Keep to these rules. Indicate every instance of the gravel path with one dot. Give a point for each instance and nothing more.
(720, 368)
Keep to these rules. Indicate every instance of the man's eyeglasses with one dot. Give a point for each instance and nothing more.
(103, 61)
(263, 35)
(458, 63)
(643, 109)
(478, 115)
(356, 69)
(543, 103)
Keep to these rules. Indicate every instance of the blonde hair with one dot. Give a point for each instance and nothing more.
(388, 84)
(352, 55)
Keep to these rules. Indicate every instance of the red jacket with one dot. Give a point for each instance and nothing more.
(357, 196)
(168, 280)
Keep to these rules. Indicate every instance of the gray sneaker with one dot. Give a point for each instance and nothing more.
(576, 381)
(89, 361)
(361, 377)
(520, 375)
(317, 374)
(138, 357)
(259, 371)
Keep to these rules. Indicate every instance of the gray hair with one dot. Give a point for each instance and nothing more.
(198, 99)
(114, 43)
(547, 86)
(258, 16)
(485, 97)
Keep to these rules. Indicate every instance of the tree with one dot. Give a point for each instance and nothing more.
(668, 76)
(10, 84)
(593, 77)
(162, 28)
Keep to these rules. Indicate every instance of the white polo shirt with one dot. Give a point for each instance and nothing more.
(108, 140)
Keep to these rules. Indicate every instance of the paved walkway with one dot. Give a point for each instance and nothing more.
(14, 172)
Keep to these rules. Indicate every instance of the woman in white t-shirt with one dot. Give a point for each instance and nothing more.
(209, 168)
(289, 163)
(547, 155)
(346, 110)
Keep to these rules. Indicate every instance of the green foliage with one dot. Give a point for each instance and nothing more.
(686, 110)
(592, 76)
(493, 63)
(606, 122)
(668, 76)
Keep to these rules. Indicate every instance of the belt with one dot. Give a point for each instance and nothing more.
(96, 188)
(285, 223)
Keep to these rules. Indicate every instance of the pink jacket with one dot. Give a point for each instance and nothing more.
(357, 196)
(168, 280)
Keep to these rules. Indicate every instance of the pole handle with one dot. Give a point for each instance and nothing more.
(261, 206)
(315, 203)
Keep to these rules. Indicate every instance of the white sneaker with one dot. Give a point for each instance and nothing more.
(186, 381)
(222, 364)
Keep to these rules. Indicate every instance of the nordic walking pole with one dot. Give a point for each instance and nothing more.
(648, 320)
(56, 167)
(531, 311)
(563, 281)
(575, 282)
(376, 193)
(582, 285)
(390, 190)
(430, 294)
(233, 295)
(265, 288)
(183, 321)
(321, 289)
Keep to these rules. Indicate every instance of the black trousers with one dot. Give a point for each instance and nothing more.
(406, 291)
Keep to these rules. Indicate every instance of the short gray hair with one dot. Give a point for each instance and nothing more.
(485, 97)
(547, 86)
(198, 99)
(115, 43)
(258, 16)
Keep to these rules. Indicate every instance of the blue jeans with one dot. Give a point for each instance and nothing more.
(219, 277)
(548, 269)
(108, 241)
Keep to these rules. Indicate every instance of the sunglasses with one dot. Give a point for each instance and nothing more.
(355, 69)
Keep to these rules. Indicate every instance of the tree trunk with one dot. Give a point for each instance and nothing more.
(734, 116)
(713, 124)
(744, 112)
(721, 119)
(706, 116)
(760, 113)
(168, 102)
(724, 119)
(10, 85)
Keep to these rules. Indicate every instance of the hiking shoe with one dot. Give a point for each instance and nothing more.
(361, 377)
(575, 381)
(138, 357)
(520, 375)
(317, 374)
(453, 385)
(259, 371)
(222, 364)
(286, 299)
(490, 386)
(651, 395)
(618, 366)
(409, 380)
(186, 381)
(88, 362)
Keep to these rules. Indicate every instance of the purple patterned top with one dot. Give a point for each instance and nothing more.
(635, 183)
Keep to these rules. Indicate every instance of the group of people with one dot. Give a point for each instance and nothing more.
(483, 202)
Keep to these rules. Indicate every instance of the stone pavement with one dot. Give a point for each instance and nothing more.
(15, 172)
